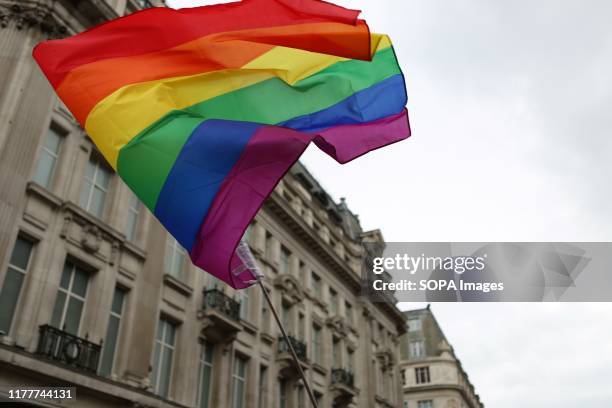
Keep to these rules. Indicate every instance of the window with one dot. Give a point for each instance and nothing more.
(286, 317)
(13, 282)
(425, 404)
(239, 382)
(244, 304)
(414, 324)
(95, 185)
(112, 332)
(175, 258)
(416, 349)
(47, 160)
(282, 393)
(336, 357)
(269, 245)
(351, 360)
(333, 302)
(318, 398)
(285, 254)
(205, 375)
(348, 311)
(301, 322)
(316, 344)
(301, 401)
(263, 381)
(422, 375)
(316, 285)
(265, 317)
(162, 357)
(131, 226)
(70, 300)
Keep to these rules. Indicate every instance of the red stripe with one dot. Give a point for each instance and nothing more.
(156, 29)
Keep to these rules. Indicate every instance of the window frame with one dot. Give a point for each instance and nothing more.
(119, 317)
(237, 378)
(175, 247)
(317, 351)
(99, 164)
(69, 294)
(414, 351)
(18, 269)
(203, 364)
(134, 209)
(417, 327)
(163, 348)
(62, 133)
(284, 263)
(422, 375)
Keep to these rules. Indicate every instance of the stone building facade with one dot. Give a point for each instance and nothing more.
(95, 294)
(432, 374)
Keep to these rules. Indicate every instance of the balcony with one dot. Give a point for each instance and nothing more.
(342, 377)
(58, 345)
(220, 316)
(287, 365)
(298, 346)
(342, 387)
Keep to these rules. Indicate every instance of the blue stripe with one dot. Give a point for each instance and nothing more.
(215, 146)
(383, 99)
(201, 167)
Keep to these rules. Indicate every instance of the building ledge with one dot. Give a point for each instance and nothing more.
(442, 387)
(48, 372)
(176, 284)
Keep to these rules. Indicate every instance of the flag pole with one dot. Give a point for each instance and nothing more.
(289, 344)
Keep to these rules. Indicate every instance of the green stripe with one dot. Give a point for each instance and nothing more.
(145, 162)
(274, 101)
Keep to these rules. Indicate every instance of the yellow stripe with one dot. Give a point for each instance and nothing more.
(116, 119)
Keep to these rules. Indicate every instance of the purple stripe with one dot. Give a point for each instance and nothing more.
(268, 155)
(347, 142)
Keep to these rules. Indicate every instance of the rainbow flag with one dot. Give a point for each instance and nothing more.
(201, 111)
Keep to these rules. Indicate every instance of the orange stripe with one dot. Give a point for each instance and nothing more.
(88, 84)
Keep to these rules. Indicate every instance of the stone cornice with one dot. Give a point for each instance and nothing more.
(28, 14)
(473, 401)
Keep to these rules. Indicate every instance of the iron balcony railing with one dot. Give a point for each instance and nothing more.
(298, 346)
(342, 376)
(58, 345)
(217, 300)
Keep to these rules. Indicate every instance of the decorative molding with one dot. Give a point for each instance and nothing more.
(177, 285)
(91, 238)
(386, 358)
(338, 326)
(32, 15)
(290, 288)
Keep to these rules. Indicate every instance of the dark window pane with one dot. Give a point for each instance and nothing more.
(110, 344)
(56, 318)
(21, 253)
(9, 297)
(73, 316)
(66, 274)
(118, 297)
(79, 286)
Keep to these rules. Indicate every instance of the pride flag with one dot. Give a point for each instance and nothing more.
(201, 111)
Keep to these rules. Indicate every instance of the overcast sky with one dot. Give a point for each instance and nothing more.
(511, 111)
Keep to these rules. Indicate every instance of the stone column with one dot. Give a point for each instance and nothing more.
(148, 287)
(25, 102)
